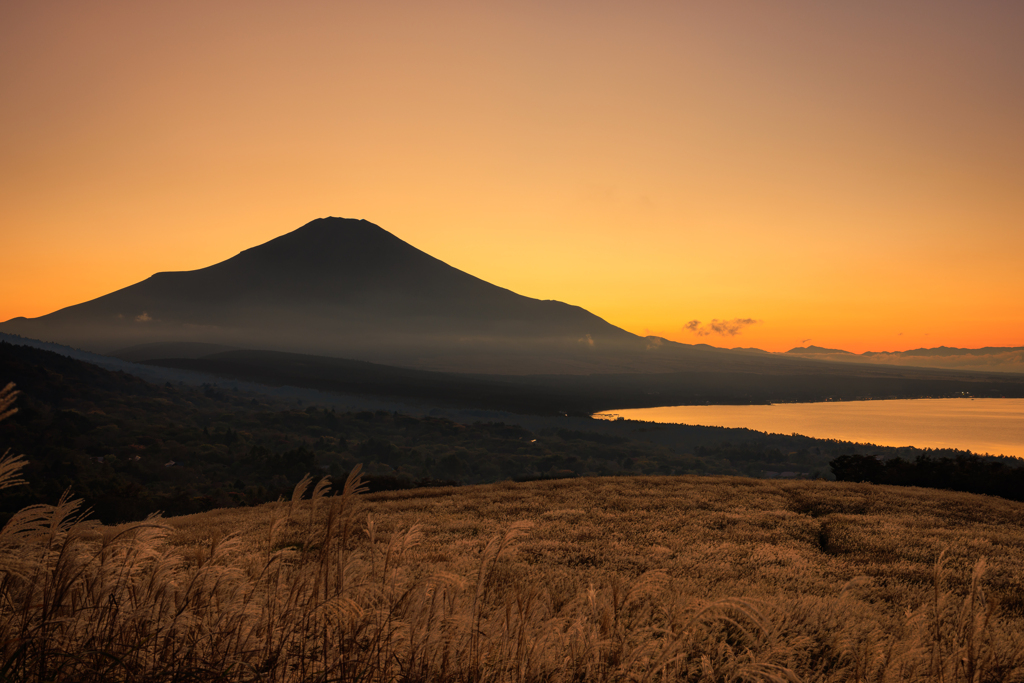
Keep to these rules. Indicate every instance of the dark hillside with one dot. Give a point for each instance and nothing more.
(131, 448)
(582, 395)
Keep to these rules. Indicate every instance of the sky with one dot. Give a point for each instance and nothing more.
(743, 174)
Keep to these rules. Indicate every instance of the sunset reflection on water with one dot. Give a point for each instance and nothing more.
(991, 425)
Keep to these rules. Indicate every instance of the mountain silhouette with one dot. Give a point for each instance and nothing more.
(807, 350)
(344, 288)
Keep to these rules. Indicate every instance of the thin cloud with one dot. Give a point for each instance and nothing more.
(144, 318)
(724, 328)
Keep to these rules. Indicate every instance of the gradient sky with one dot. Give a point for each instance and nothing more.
(846, 173)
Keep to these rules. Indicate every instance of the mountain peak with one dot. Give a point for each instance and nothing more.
(333, 226)
(814, 349)
(321, 242)
(348, 261)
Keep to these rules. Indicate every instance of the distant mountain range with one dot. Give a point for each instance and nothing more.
(987, 359)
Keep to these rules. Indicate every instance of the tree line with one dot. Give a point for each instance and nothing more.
(964, 472)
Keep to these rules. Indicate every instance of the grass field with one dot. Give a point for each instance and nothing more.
(715, 536)
(835, 581)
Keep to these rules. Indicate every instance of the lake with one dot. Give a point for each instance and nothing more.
(985, 425)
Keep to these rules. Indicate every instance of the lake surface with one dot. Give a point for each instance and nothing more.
(985, 425)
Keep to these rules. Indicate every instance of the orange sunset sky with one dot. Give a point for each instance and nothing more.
(846, 173)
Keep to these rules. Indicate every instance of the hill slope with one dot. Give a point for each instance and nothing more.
(817, 579)
(714, 533)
